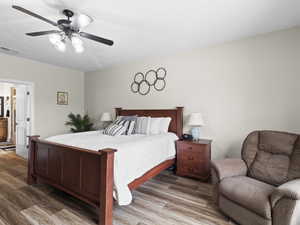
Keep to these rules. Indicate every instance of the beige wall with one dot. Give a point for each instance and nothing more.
(238, 86)
(49, 118)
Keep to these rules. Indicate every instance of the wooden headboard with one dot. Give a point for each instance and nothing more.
(175, 114)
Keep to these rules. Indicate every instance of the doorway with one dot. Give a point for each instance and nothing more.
(15, 116)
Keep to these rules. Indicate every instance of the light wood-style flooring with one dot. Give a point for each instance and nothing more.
(165, 200)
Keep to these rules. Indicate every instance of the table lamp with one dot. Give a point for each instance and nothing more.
(106, 117)
(195, 121)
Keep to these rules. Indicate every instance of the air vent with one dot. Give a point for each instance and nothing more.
(8, 50)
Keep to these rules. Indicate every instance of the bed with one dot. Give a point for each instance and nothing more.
(88, 174)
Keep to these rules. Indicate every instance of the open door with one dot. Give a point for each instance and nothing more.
(23, 120)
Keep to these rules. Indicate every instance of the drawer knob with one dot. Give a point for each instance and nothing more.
(190, 148)
(190, 158)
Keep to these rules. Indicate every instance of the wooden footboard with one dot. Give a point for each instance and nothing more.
(85, 174)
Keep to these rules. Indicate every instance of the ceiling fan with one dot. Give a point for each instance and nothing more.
(67, 30)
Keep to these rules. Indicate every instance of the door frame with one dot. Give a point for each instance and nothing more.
(30, 86)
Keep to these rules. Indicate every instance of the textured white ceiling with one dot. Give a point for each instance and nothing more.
(142, 28)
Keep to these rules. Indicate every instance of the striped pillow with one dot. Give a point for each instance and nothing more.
(143, 125)
(114, 130)
(128, 124)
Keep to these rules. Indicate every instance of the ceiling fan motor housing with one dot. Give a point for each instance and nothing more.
(68, 13)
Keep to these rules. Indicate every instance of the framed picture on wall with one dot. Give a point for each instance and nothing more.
(62, 98)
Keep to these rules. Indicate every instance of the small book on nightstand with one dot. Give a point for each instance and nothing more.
(193, 158)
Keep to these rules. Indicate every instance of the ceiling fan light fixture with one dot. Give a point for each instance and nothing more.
(82, 20)
(77, 44)
(58, 41)
(60, 46)
(54, 38)
(76, 40)
(68, 29)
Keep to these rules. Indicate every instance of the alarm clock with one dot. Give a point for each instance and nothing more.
(187, 137)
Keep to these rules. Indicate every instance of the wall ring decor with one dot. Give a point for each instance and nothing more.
(144, 87)
(151, 77)
(139, 77)
(135, 87)
(160, 84)
(142, 83)
(161, 73)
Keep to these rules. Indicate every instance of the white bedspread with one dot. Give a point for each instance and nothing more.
(136, 154)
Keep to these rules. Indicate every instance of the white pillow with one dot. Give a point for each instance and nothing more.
(155, 125)
(164, 125)
(159, 125)
(142, 125)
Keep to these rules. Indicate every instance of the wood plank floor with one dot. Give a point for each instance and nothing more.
(164, 200)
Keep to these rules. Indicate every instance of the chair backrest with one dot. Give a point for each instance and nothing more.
(272, 157)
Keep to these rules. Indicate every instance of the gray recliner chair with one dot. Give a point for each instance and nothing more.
(262, 188)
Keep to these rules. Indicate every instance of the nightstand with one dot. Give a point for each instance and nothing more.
(193, 158)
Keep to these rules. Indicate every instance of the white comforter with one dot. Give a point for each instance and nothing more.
(136, 154)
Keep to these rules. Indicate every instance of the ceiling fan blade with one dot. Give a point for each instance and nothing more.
(96, 38)
(40, 33)
(34, 15)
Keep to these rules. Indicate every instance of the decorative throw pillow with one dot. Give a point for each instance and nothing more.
(142, 125)
(114, 130)
(128, 122)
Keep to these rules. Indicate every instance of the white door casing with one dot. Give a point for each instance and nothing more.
(23, 123)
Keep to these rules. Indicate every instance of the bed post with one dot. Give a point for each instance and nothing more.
(31, 155)
(106, 187)
(118, 111)
(179, 121)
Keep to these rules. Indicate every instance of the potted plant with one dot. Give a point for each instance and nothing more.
(79, 123)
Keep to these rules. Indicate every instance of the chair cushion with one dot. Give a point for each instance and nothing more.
(272, 156)
(270, 168)
(248, 193)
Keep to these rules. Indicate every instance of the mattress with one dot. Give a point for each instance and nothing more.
(136, 154)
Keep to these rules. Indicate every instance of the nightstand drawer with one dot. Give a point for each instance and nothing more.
(191, 157)
(191, 147)
(189, 169)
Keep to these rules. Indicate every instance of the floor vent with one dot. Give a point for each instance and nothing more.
(8, 50)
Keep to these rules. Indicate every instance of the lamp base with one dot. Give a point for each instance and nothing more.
(195, 133)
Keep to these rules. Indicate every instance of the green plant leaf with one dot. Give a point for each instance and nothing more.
(79, 123)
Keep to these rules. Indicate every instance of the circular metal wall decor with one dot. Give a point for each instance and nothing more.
(142, 83)
(161, 73)
(151, 77)
(160, 84)
(139, 77)
(135, 87)
(144, 87)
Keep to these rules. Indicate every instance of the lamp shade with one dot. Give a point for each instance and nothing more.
(106, 117)
(196, 120)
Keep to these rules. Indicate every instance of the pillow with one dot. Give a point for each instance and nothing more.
(114, 130)
(164, 125)
(128, 122)
(142, 125)
(159, 125)
(127, 117)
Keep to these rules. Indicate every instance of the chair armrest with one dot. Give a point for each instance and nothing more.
(290, 190)
(228, 168)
